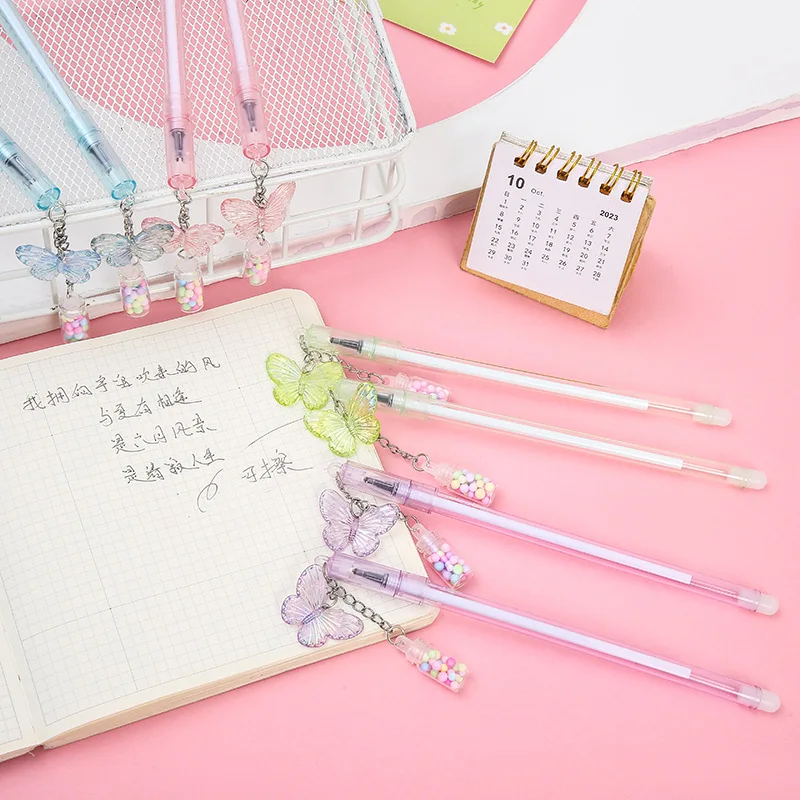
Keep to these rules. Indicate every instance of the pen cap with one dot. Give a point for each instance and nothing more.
(27, 176)
(246, 90)
(108, 166)
(367, 574)
(378, 484)
(178, 125)
(179, 147)
(333, 340)
(252, 124)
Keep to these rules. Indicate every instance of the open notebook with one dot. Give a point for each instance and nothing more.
(157, 507)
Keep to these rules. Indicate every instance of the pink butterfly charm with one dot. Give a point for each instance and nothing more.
(249, 220)
(363, 532)
(309, 608)
(196, 241)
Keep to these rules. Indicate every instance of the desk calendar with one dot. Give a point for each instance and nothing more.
(560, 228)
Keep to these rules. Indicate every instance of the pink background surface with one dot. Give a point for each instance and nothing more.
(709, 316)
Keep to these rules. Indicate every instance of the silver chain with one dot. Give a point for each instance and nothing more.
(126, 207)
(259, 169)
(419, 461)
(183, 209)
(313, 357)
(358, 506)
(338, 592)
(57, 214)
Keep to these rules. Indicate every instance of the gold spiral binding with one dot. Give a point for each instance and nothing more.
(522, 160)
(569, 165)
(609, 185)
(636, 180)
(547, 159)
(591, 171)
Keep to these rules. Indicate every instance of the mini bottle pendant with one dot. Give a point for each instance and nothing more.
(438, 553)
(134, 289)
(471, 486)
(445, 670)
(257, 261)
(74, 318)
(188, 283)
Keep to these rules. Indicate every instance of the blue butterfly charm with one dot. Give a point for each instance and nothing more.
(74, 265)
(119, 251)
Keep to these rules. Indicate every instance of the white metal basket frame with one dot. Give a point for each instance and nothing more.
(347, 224)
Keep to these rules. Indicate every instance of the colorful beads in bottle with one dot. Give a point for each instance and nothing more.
(188, 284)
(134, 289)
(74, 319)
(473, 486)
(469, 485)
(445, 670)
(445, 563)
(257, 261)
(413, 383)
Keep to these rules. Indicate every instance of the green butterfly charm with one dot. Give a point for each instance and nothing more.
(356, 424)
(293, 383)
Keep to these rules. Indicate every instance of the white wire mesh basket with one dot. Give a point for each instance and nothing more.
(337, 112)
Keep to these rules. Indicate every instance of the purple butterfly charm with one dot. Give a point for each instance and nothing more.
(309, 608)
(361, 532)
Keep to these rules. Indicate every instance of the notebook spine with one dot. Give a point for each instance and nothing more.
(585, 180)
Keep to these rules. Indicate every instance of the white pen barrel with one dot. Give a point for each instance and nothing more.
(420, 405)
(369, 347)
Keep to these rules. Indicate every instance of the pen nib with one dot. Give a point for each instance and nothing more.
(376, 577)
(178, 140)
(250, 113)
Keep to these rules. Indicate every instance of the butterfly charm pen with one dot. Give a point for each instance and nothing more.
(351, 420)
(313, 610)
(75, 266)
(251, 220)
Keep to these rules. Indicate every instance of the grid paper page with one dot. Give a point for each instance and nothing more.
(10, 730)
(159, 506)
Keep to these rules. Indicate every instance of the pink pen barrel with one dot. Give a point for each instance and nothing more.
(178, 125)
(246, 89)
(421, 497)
(354, 571)
(741, 692)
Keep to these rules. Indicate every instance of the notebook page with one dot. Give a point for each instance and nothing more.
(159, 507)
(16, 726)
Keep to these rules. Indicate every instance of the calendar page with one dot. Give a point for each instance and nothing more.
(554, 236)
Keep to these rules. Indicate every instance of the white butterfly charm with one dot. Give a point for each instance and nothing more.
(119, 251)
(196, 241)
(310, 609)
(74, 265)
(249, 220)
(361, 532)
